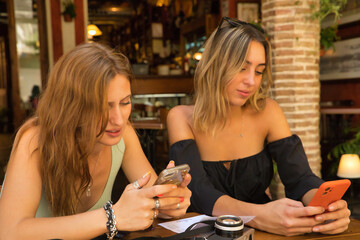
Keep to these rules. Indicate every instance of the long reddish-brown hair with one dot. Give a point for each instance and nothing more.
(68, 115)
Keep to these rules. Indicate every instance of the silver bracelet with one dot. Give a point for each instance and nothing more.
(111, 223)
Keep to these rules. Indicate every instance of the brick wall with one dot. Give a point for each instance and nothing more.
(295, 42)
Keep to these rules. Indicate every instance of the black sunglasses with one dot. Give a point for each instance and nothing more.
(233, 22)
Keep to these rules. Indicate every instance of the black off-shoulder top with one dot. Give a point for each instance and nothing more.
(247, 178)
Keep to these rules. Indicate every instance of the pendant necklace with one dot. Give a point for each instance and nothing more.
(88, 191)
(242, 124)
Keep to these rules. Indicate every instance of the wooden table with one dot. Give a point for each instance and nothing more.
(353, 233)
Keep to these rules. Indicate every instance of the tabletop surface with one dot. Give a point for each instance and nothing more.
(353, 233)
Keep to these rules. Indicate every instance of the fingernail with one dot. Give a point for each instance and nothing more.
(146, 174)
(160, 195)
(315, 229)
(181, 199)
(319, 218)
(331, 208)
(174, 187)
(172, 161)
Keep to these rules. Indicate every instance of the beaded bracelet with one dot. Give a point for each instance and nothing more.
(111, 223)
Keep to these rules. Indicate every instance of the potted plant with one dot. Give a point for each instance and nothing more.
(69, 10)
(328, 35)
(327, 38)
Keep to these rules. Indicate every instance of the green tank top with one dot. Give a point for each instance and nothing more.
(117, 151)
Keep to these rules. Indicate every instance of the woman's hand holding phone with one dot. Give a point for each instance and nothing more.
(336, 219)
(180, 195)
(135, 208)
(145, 204)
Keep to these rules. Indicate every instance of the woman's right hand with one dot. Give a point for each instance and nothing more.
(286, 217)
(135, 209)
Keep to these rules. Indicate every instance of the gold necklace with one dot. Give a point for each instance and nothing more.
(242, 123)
(88, 191)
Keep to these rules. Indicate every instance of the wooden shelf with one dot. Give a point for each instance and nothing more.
(196, 25)
(153, 84)
(340, 111)
(148, 124)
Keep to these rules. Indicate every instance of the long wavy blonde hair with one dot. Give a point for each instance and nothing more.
(224, 55)
(70, 110)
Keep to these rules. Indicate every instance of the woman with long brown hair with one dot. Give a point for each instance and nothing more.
(232, 133)
(65, 159)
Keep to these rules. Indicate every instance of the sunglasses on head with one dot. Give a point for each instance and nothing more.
(233, 22)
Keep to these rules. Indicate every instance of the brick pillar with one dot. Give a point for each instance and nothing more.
(295, 51)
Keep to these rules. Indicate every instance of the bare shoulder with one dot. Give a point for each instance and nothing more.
(27, 139)
(24, 155)
(275, 119)
(271, 111)
(180, 115)
(179, 123)
(181, 111)
(272, 106)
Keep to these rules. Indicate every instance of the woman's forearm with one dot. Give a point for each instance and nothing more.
(228, 205)
(308, 196)
(80, 226)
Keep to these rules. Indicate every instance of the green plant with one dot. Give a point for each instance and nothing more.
(333, 8)
(69, 8)
(328, 36)
(351, 146)
(328, 7)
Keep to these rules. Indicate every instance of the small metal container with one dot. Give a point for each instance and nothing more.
(229, 226)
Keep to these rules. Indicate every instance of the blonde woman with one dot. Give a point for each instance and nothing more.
(233, 131)
(65, 159)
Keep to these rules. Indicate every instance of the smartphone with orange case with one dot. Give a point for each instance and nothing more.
(330, 192)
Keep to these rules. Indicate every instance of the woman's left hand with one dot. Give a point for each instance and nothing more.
(182, 195)
(338, 216)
